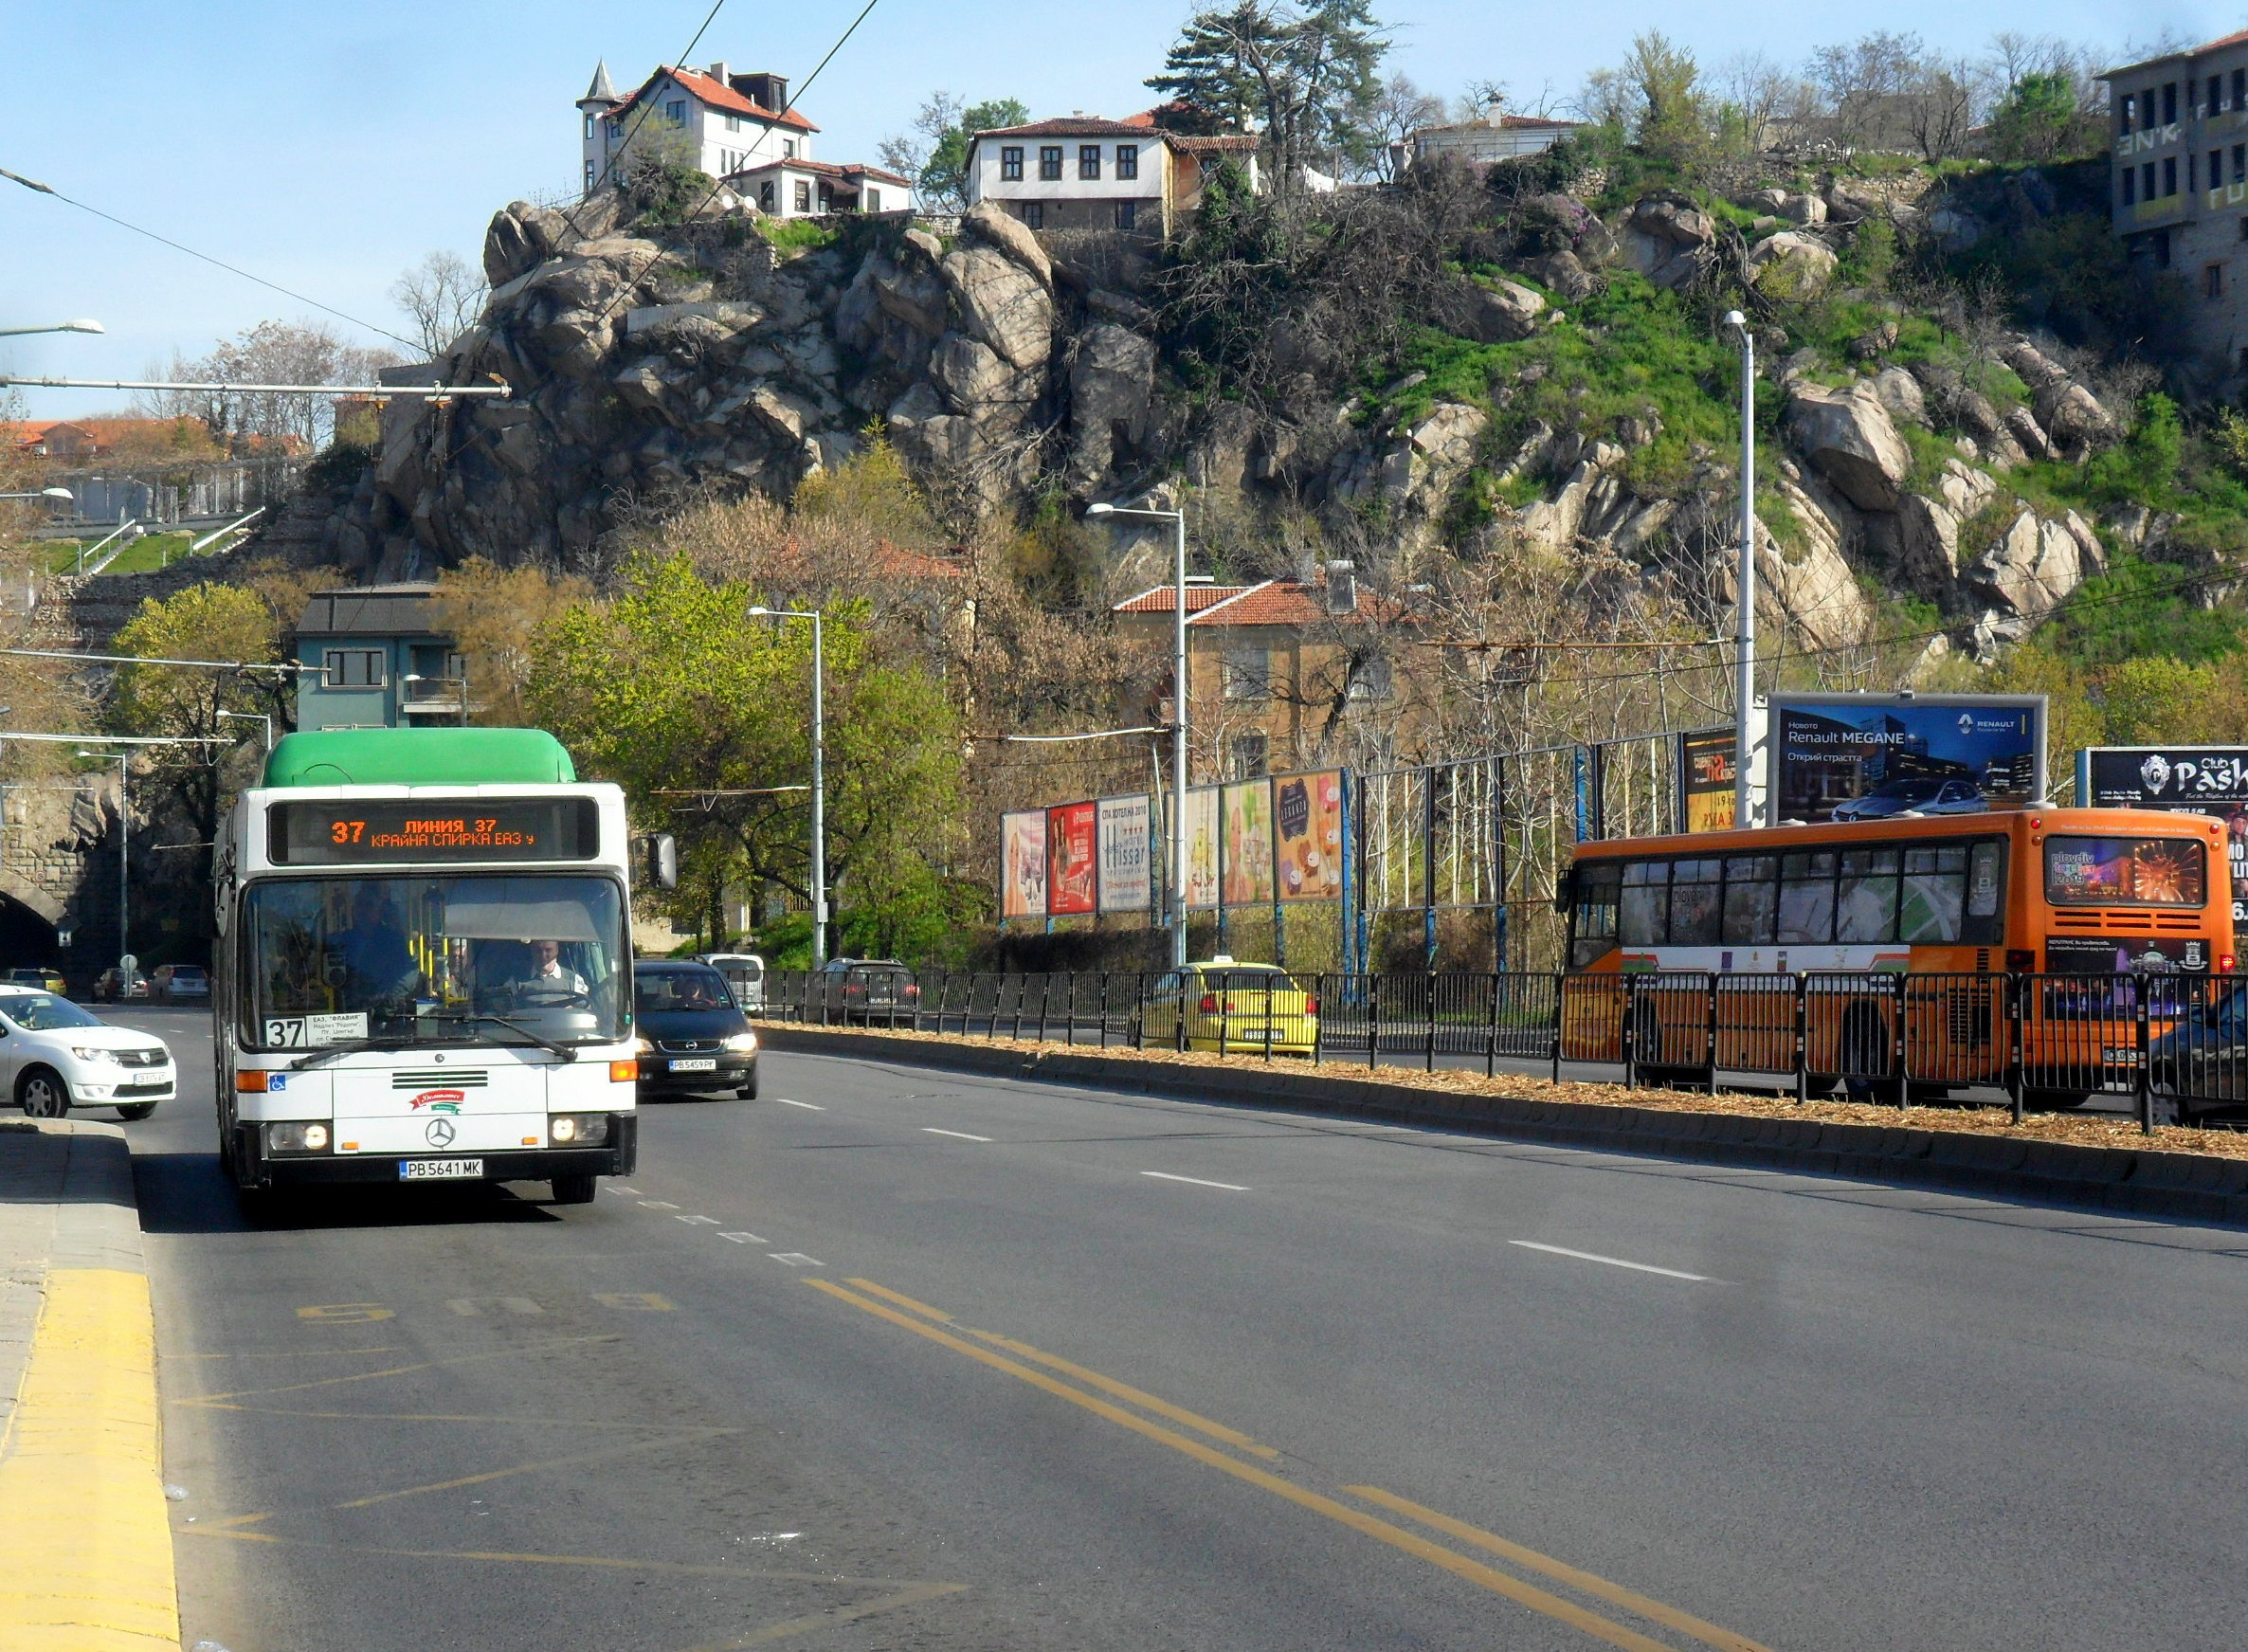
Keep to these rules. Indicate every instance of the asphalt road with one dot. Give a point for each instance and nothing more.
(918, 1359)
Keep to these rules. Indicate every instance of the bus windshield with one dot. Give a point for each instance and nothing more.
(471, 958)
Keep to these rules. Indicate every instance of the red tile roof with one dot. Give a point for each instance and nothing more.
(719, 96)
(1072, 126)
(828, 169)
(1199, 597)
(1272, 602)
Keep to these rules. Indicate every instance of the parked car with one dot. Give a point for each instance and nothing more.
(107, 986)
(180, 984)
(39, 977)
(1231, 1007)
(867, 990)
(2199, 1066)
(1914, 797)
(745, 973)
(694, 1039)
(55, 1055)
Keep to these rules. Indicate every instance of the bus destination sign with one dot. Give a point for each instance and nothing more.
(366, 831)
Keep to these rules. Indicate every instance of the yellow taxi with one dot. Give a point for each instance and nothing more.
(1231, 1009)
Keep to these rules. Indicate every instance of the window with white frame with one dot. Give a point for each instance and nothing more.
(355, 668)
(788, 149)
(804, 195)
(592, 174)
(589, 126)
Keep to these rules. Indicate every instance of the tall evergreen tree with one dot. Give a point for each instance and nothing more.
(1306, 78)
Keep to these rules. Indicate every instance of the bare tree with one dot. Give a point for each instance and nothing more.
(1396, 113)
(1479, 98)
(1765, 97)
(908, 152)
(441, 297)
(286, 353)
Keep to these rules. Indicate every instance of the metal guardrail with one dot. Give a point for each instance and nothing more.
(2173, 1047)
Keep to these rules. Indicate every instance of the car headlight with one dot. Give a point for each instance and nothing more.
(578, 1129)
(83, 1055)
(742, 1040)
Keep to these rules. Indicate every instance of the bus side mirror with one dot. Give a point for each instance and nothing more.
(662, 859)
(1564, 886)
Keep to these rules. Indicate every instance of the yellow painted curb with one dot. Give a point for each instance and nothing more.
(84, 1525)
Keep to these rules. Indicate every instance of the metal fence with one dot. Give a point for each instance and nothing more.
(2168, 1048)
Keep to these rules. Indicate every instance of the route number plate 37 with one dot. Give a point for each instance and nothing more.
(439, 1170)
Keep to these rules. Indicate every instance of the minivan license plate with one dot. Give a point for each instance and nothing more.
(699, 1064)
(439, 1170)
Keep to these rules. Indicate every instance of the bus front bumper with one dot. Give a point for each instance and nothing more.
(618, 1156)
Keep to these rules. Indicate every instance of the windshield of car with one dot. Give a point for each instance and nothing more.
(422, 959)
(679, 986)
(45, 1012)
(184, 972)
(1914, 791)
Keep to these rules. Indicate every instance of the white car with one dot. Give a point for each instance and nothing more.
(55, 1055)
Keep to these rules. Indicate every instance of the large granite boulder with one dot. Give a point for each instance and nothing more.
(1848, 437)
(1668, 240)
(1002, 304)
(2035, 564)
(1791, 265)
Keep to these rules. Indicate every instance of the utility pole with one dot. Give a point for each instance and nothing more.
(1743, 712)
(819, 869)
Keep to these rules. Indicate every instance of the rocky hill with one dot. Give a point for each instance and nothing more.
(1530, 364)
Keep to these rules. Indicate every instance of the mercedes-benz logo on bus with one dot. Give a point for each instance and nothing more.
(439, 1133)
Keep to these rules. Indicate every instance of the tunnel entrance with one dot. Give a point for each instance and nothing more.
(26, 939)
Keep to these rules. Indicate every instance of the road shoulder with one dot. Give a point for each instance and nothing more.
(83, 1520)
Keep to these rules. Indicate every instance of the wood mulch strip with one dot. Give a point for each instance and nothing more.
(2081, 1130)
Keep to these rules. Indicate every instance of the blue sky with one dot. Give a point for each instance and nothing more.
(328, 147)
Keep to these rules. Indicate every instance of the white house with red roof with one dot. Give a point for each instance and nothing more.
(743, 131)
(1490, 136)
(1087, 173)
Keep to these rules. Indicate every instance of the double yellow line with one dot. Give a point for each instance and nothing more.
(940, 1326)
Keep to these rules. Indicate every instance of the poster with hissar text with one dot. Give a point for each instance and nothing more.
(1022, 865)
(1126, 884)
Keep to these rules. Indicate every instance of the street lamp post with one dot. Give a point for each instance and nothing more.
(1744, 710)
(46, 493)
(819, 879)
(1178, 694)
(124, 868)
(58, 327)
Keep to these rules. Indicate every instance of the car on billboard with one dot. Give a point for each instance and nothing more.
(1913, 797)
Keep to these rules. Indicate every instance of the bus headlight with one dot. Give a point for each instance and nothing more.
(297, 1136)
(745, 1043)
(578, 1129)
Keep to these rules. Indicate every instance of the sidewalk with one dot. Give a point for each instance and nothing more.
(83, 1523)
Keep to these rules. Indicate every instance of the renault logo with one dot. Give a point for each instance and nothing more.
(439, 1133)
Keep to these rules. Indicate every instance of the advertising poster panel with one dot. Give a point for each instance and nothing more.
(1308, 815)
(1248, 843)
(1705, 780)
(2211, 780)
(1871, 756)
(1022, 865)
(1201, 846)
(1069, 853)
(1126, 883)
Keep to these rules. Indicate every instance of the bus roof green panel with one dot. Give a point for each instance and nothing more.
(420, 757)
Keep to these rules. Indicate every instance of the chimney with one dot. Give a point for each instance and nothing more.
(717, 73)
(763, 88)
(1342, 586)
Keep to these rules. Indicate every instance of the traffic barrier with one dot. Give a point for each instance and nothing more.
(2172, 1048)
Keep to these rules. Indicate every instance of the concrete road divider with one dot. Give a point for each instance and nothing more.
(84, 1527)
(2197, 1187)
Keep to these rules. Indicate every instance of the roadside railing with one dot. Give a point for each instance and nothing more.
(2166, 1047)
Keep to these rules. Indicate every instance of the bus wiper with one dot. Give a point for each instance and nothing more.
(567, 1052)
(350, 1047)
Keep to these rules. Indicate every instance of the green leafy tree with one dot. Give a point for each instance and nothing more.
(189, 787)
(934, 155)
(2036, 119)
(1308, 78)
(670, 689)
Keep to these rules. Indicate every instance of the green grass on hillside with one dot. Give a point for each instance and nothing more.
(139, 557)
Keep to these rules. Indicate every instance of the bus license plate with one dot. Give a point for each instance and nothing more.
(439, 1170)
(698, 1064)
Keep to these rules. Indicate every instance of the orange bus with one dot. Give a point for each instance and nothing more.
(1881, 948)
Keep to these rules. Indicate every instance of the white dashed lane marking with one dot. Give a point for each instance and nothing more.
(1614, 1261)
(796, 1258)
(745, 1238)
(807, 1106)
(956, 1134)
(1197, 1181)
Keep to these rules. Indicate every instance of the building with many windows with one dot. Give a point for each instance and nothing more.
(740, 130)
(1086, 172)
(2180, 181)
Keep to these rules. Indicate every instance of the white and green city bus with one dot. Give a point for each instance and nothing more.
(424, 965)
